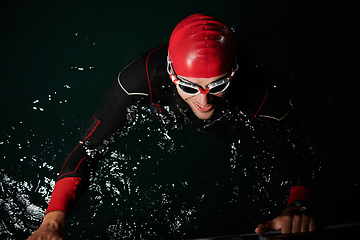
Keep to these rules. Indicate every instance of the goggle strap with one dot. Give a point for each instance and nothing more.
(173, 78)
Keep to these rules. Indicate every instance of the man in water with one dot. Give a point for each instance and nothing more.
(200, 77)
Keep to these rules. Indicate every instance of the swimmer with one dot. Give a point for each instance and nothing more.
(199, 75)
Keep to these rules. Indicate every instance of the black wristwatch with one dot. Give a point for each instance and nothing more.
(304, 206)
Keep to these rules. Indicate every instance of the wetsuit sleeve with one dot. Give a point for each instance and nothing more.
(295, 157)
(299, 163)
(275, 112)
(109, 117)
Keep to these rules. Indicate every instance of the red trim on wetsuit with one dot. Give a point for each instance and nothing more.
(93, 130)
(75, 168)
(68, 159)
(63, 196)
(148, 78)
(267, 92)
(299, 193)
(81, 142)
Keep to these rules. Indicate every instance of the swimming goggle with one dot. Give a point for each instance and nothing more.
(193, 89)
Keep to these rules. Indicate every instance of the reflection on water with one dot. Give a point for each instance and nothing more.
(18, 211)
(31, 155)
(159, 180)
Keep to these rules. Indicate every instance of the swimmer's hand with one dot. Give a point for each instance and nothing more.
(52, 227)
(290, 221)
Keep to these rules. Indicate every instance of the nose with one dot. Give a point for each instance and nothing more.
(203, 99)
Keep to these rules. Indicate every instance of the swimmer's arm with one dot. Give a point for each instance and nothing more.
(293, 219)
(52, 227)
(290, 221)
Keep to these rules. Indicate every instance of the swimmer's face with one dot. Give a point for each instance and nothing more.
(202, 105)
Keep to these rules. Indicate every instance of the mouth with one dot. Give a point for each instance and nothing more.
(206, 108)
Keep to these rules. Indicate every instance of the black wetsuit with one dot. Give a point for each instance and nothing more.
(251, 98)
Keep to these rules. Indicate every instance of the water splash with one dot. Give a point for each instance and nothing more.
(158, 181)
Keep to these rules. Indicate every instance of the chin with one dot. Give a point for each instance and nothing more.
(203, 115)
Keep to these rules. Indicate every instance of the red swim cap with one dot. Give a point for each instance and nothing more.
(201, 46)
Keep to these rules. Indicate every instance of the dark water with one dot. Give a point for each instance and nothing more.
(58, 58)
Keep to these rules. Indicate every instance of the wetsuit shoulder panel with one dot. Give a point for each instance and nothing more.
(276, 106)
(253, 89)
(149, 70)
(132, 80)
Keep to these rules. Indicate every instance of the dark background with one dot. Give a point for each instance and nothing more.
(59, 57)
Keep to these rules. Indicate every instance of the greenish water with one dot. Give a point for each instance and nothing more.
(57, 60)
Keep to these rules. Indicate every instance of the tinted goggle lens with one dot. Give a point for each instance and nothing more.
(220, 88)
(188, 90)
